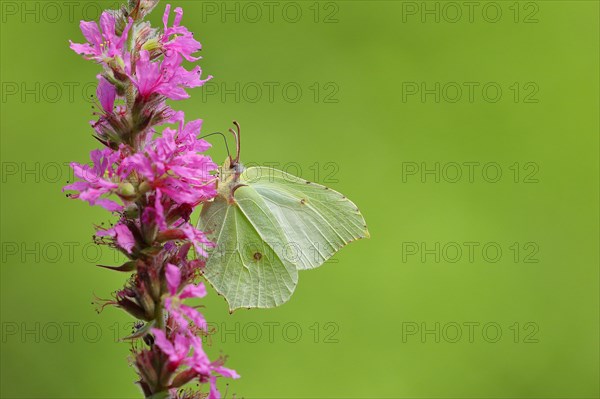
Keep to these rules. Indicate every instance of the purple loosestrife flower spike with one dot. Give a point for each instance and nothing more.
(153, 182)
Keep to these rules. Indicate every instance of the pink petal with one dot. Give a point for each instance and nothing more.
(195, 316)
(225, 372)
(107, 93)
(160, 339)
(147, 74)
(107, 23)
(109, 205)
(139, 163)
(166, 16)
(91, 33)
(124, 237)
(214, 392)
(76, 186)
(106, 233)
(125, 33)
(199, 361)
(173, 275)
(160, 212)
(82, 48)
(182, 348)
(193, 291)
(197, 238)
(178, 16)
(176, 314)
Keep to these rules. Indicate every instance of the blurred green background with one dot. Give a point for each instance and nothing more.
(386, 102)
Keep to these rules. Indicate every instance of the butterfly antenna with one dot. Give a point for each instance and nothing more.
(237, 140)
(224, 139)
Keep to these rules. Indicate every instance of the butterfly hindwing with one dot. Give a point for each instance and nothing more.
(243, 267)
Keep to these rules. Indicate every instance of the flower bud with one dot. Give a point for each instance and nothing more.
(144, 187)
(147, 303)
(152, 44)
(144, 362)
(126, 190)
(183, 378)
(133, 309)
(140, 8)
(149, 229)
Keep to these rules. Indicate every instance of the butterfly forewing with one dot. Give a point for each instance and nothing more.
(316, 220)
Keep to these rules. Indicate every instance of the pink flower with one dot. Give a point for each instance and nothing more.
(177, 350)
(197, 238)
(173, 275)
(177, 347)
(160, 179)
(97, 180)
(173, 165)
(160, 211)
(182, 313)
(185, 231)
(206, 369)
(105, 45)
(167, 78)
(122, 236)
(106, 94)
(177, 39)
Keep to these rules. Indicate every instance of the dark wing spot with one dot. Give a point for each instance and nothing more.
(303, 201)
(257, 256)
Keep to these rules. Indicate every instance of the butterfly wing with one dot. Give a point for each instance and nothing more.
(245, 266)
(273, 225)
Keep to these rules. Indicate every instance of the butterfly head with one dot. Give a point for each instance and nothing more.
(231, 170)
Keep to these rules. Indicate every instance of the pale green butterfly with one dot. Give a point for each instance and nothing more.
(267, 225)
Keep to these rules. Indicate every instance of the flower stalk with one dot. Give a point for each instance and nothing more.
(152, 181)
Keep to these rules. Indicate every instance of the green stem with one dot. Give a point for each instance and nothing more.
(159, 315)
(159, 390)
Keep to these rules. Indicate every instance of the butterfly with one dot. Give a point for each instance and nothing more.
(268, 225)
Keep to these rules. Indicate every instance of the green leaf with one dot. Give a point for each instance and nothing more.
(125, 267)
(267, 225)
